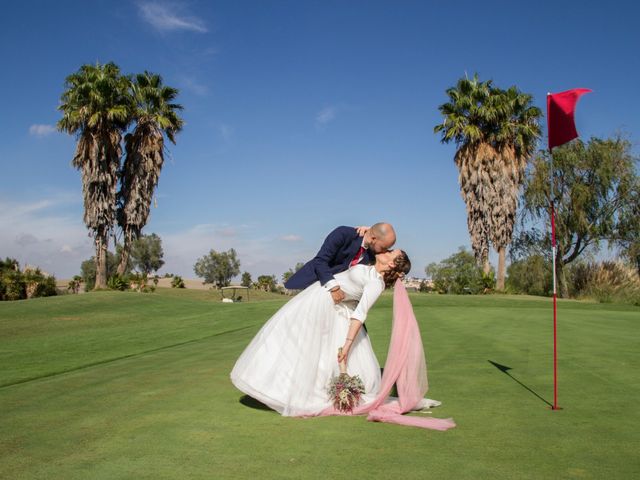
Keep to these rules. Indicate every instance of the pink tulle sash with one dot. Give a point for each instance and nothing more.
(405, 366)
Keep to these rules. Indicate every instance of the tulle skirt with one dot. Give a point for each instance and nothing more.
(291, 360)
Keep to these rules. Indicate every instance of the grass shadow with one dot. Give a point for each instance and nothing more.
(504, 369)
(251, 402)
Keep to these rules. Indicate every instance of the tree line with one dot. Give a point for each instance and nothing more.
(121, 122)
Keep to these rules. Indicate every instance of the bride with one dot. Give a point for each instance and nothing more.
(292, 359)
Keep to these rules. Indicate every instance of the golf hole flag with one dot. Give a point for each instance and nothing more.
(560, 109)
(561, 129)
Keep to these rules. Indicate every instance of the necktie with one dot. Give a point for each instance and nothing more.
(356, 259)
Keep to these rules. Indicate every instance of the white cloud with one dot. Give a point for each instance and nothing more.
(191, 84)
(166, 17)
(51, 234)
(40, 130)
(35, 233)
(258, 256)
(291, 238)
(326, 115)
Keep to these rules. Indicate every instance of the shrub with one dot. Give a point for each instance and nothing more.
(118, 282)
(29, 283)
(74, 284)
(177, 282)
(531, 275)
(458, 274)
(13, 285)
(138, 281)
(46, 287)
(606, 282)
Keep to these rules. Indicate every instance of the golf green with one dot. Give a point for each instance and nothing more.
(111, 385)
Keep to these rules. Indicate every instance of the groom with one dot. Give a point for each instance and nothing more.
(343, 247)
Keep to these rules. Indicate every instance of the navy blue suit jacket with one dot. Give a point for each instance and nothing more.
(334, 256)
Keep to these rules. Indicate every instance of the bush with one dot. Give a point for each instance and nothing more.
(13, 285)
(177, 282)
(74, 284)
(29, 283)
(606, 282)
(531, 276)
(118, 282)
(459, 274)
(45, 287)
(268, 283)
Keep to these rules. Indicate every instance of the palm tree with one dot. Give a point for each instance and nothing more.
(95, 106)
(154, 113)
(496, 133)
(517, 133)
(468, 121)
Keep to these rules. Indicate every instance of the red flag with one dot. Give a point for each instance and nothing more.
(560, 109)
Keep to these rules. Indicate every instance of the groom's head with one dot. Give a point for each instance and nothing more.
(380, 237)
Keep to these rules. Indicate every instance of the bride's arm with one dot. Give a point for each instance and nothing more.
(370, 294)
(354, 328)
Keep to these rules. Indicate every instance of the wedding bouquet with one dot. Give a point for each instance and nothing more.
(345, 390)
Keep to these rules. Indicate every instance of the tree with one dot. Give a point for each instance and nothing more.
(11, 283)
(627, 235)
(177, 282)
(155, 113)
(146, 254)
(530, 275)
(218, 268)
(518, 132)
(457, 274)
(246, 279)
(74, 284)
(96, 107)
(16, 284)
(495, 132)
(268, 283)
(593, 184)
(289, 273)
(88, 270)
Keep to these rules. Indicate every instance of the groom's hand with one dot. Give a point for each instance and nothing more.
(337, 294)
(362, 230)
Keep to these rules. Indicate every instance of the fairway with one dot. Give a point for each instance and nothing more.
(111, 385)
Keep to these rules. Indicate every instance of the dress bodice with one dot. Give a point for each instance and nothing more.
(362, 285)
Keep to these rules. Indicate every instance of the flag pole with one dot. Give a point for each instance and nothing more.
(555, 307)
(555, 291)
(563, 131)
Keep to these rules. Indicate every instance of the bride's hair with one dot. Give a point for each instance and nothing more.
(402, 267)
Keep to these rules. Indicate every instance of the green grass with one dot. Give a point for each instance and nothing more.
(111, 385)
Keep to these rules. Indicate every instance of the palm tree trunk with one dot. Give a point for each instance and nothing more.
(124, 259)
(501, 268)
(101, 262)
(486, 266)
(124, 254)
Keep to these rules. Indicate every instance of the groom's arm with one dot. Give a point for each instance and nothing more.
(334, 242)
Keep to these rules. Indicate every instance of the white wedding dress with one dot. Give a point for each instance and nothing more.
(291, 360)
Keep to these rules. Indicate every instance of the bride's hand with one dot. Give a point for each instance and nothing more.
(345, 352)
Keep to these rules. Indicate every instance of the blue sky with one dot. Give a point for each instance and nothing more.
(300, 116)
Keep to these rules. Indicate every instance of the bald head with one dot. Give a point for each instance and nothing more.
(381, 237)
